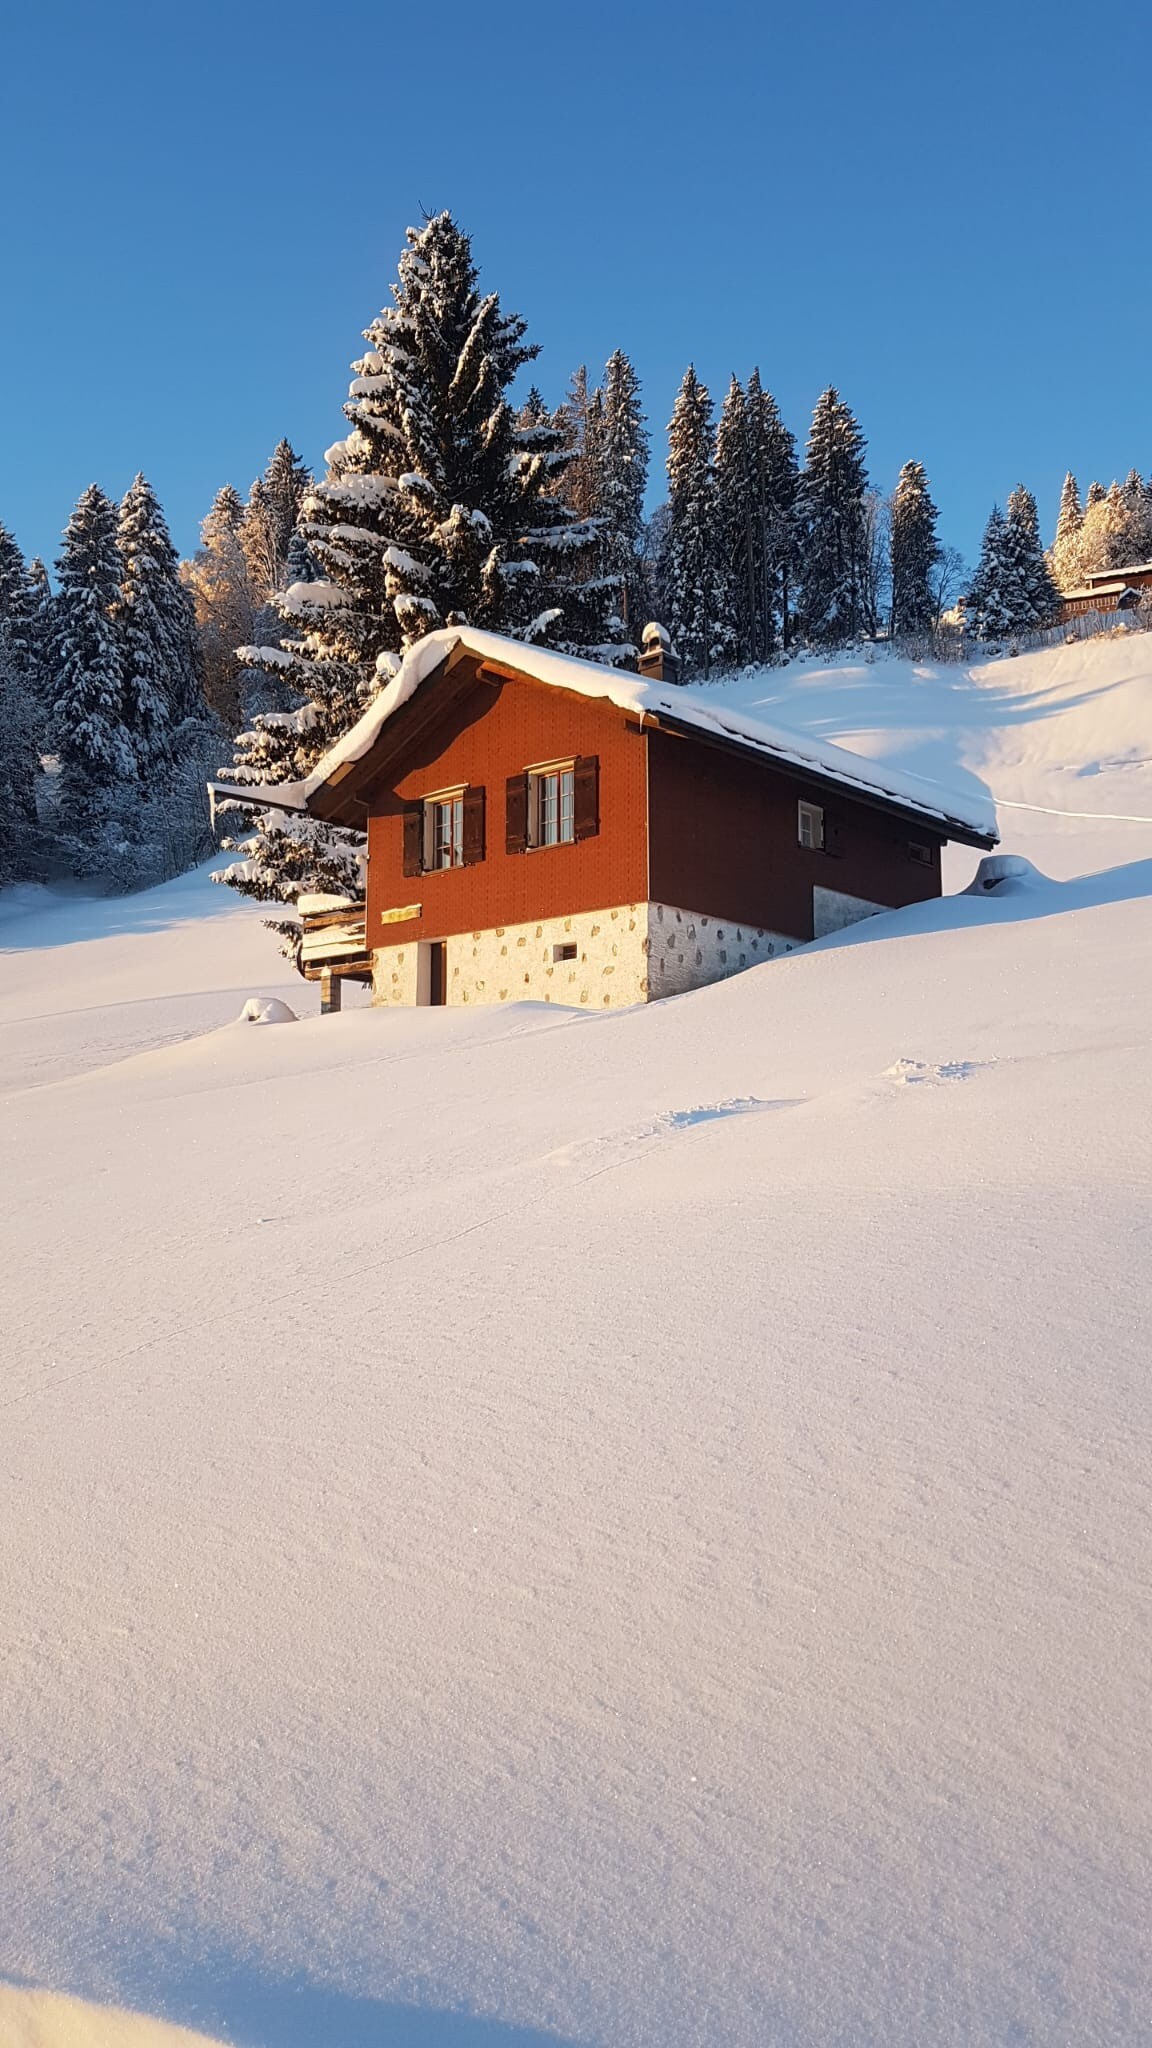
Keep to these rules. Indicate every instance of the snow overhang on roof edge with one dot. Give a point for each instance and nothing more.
(974, 815)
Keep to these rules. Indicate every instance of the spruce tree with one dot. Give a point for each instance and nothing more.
(736, 515)
(832, 493)
(775, 480)
(915, 551)
(695, 581)
(436, 505)
(21, 717)
(95, 751)
(219, 583)
(1033, 594)
(1137, 502)
(621, 464)
(158, 643)
(989, 608)
(1064, 558)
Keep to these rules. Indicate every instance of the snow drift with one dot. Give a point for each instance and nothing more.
(524, 1526)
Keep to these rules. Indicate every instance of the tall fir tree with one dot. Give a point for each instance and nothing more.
(832, 506)
(736, 518)
(621, 465)
(694, 579)
(161, 681)
(990, 602)
(775, 482)
(43, 628)
(1137, 502)
(219, 582)
(21, 717)
(915, 551)
(1064, 559)
(1035, 598)
(95, 751)
(436, 506)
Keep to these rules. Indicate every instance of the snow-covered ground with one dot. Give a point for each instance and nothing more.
(631, 1530)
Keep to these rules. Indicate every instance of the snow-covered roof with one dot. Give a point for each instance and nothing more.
(1126, 569)
(647, 698)
(1096, 590)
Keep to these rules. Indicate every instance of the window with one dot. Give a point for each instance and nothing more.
(565, 952)
(918, 851)
(557, 804)
(810, 826)
(552, 806)
(444, 831)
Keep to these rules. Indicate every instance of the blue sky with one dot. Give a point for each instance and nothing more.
(931, 206)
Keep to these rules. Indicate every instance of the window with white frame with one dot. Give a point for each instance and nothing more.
(444, 831)
(810, 826)
(552, 805)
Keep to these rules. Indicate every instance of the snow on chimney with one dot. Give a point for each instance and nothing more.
(657, 658)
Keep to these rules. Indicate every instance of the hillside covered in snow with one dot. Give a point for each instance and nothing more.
(628, 1530)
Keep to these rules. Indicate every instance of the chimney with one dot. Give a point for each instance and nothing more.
(657, 659)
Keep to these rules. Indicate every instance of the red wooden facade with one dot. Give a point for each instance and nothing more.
(495, 730)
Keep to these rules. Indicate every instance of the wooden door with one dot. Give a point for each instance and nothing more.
(438, 972)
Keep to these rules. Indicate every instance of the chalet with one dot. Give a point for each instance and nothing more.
(1109, 590)
(542, 828)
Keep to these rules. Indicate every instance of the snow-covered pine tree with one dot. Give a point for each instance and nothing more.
(772, 460)
(220, 585)
(1137, 502)
(21, 714)
(736, 513)
(577, 483)
(1064, 555)
(832, 491)
(43, 606)
(694, 579)
(436, 505)
(621, 464)
(95, 750)
(915, 551)
(1028, 584)
(161, 680)
(989, 609)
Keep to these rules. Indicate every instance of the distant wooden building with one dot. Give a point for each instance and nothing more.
(1109, 590)
(542, 828)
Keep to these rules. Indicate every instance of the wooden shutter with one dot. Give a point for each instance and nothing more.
(414, 840)
(833, 834)
(473, 826)
(516, 814)
(586, 796)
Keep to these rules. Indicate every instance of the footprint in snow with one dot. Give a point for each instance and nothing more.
(905, 1072)
(669, 1120)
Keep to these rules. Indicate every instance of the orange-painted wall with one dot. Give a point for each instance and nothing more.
(497, 730)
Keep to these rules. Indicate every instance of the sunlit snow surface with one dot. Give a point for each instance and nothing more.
(630, 1530)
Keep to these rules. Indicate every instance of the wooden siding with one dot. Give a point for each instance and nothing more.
(493, 732)
(723, 839)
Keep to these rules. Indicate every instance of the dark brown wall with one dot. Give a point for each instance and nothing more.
(722, 839)
(494, 732)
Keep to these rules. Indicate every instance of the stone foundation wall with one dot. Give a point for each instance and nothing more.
(833, 911)
(632, 953)
(688, 950)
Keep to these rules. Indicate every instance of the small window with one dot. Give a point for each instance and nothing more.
(810, 826)
(552, 806)
(919, 851)
(444, 832)
(566, 952)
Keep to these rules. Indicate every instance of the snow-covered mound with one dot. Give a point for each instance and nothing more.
(41, 2019)
(527, 1526)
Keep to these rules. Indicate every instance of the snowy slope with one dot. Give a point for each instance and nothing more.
(629, 1530)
